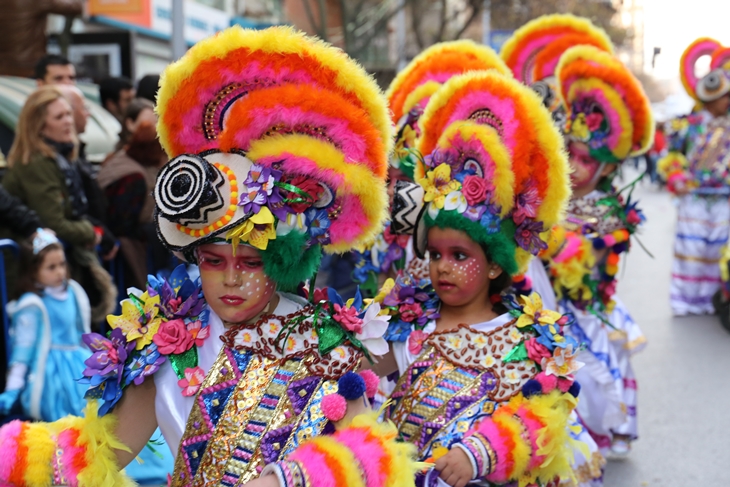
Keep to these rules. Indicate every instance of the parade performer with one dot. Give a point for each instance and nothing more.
(278, 147)
(484, 392)
(608, 119)
(407, 97)
(700, 181)
(532, 53)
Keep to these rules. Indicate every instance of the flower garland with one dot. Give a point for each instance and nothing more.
(168, 321)
(469, 193)
(387, 253)
(279, 204)
(336, 322)
(411, 307)
(542, 340)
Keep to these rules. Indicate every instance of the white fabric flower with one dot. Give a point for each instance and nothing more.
(374, 327)
(455, 201)
(433, 211)
(294, 221)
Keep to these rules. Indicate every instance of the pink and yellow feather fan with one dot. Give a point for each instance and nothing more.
(704, 46)
(532, 53)
(433, 67)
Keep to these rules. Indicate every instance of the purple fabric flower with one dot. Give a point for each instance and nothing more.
(143, 364)
(474, 213)
(442, 156)
(526, 205)
(394, 253)
(261, 188)
(108, 356)
(527, 236)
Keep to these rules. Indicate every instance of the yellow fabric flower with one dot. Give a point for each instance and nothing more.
(438, 184)
(579, 128)
(385, 289)
(256, 231)
(139, 322)
(533, 313)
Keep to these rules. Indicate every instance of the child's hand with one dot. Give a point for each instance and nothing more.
(455, 467)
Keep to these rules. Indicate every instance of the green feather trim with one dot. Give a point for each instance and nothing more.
(286, 261)
(501, 245)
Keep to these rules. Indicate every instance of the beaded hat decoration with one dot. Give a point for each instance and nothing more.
(704, 46)
(606, 106)
(418, 81)
(278, 141)
(495, 167)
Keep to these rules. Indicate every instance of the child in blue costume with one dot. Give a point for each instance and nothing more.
(48, 352)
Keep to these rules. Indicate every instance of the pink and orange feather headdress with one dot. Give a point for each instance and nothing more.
(278, 141)
(495, 167)
(606, 106)
(411, 89)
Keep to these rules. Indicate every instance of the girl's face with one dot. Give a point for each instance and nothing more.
(52, 271)
(459, 269)
(235, 287)
(585, 168)
(59, 123)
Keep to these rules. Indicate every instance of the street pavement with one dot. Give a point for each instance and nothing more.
(683, 386)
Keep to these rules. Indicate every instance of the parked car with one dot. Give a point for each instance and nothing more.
(102, 129)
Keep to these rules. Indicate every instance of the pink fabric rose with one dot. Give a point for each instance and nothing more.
(410, 312)
(536, 351)
(594, 121)
(173, 337)
(633, 217)
(474, 190)
(347, 317)
(415, 341)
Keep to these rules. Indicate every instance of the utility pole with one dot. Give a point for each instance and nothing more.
(179, 46)
(400, 37)
(486, 22)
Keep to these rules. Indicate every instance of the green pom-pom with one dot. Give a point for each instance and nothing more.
(286, 261)
(501, 245)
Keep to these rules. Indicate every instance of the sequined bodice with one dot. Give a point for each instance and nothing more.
(259, 401)
(458, 379)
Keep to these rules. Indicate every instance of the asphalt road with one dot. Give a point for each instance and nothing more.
(683, 385)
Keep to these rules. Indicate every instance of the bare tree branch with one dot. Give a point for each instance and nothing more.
(321, 30)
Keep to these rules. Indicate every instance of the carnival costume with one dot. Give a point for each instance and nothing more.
(703, 212)
(607, 110)
(494, 168)
(407, 97)
(532, 54)
(279, 142)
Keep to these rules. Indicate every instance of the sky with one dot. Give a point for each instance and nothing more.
(674, 24)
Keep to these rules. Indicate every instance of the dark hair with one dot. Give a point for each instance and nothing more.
(148, 86)
(41, 67)
(111, 89)
(30, 264)
(135, 107)
(497, 285)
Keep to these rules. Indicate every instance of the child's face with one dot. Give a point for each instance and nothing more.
(52, 272)
(458, 267)
(235, 287)
(583, 165)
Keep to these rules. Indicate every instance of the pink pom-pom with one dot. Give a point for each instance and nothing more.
(548, 382)
(334, 407)
(564, 384)
(610, 240)
(371, 382)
